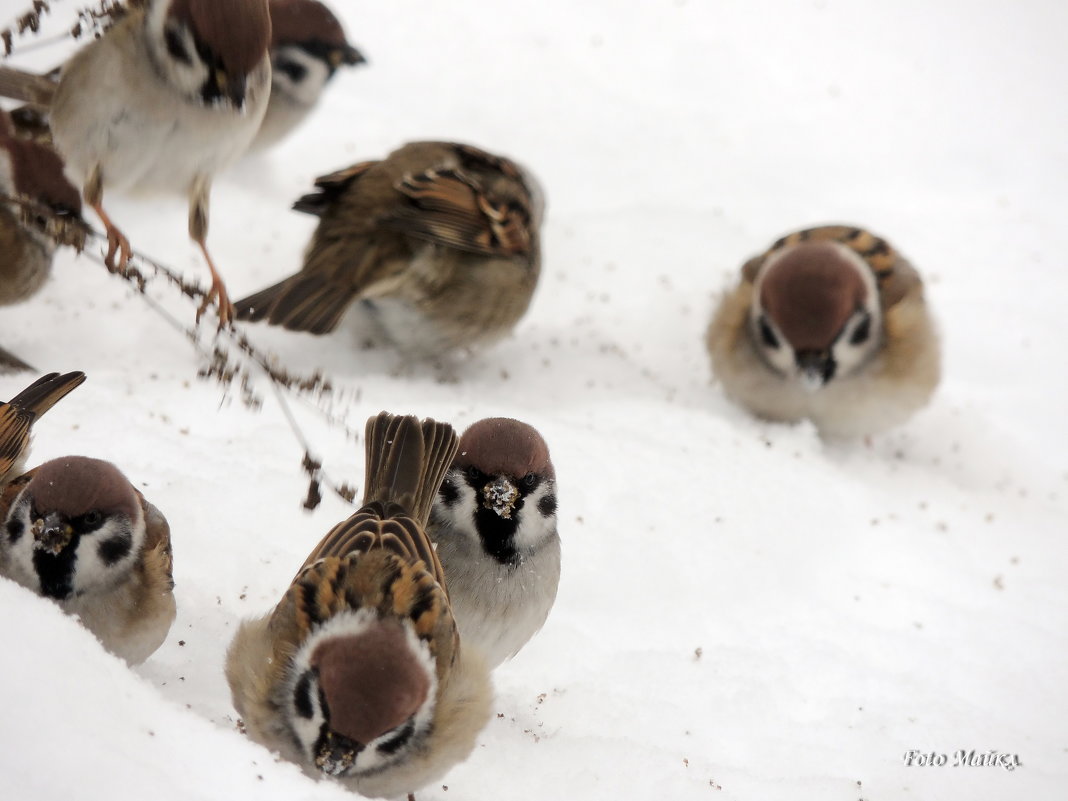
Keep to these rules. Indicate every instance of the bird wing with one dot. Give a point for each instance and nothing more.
(19, 414)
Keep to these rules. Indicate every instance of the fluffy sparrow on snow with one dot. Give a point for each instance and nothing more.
(18, 415)
(38, 210)
(172, 93)
(359, 673)
(439, 243)
(308, 45)
(494, 522)
(76, 531)
(829, 324)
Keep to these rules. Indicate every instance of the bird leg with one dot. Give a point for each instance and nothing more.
(198, 232)
(117, 241)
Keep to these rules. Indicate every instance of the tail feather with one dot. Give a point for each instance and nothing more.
(27, 87)
(406, 461)
(299, 303)
(46, 392)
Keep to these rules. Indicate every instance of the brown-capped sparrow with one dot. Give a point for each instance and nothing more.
(39, 209)
(308, 45)
(76, 531)
(359, 672)
(169, 95)
(18, 415)
(494, 522)
(439, 242)
(828, 324)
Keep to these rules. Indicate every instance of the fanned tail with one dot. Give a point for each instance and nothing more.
(46, 392)
(299, 303)
(406, 461)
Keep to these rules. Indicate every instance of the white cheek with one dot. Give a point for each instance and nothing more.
(461, 515)
(20, 552)
(534, 527)
(305, 91)
(90, 570)
(849, 358)
(186, 78)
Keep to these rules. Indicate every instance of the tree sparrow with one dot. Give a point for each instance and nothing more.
(18, 415)
(76, 531)
(439, 241)
(494, 523)
(169, 95)
(307, 46)
(830, 324)
(359, 673)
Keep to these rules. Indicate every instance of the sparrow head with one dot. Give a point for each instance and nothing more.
(361, 694)
(208, 48)
(816, 312)
(31, 175)
(502, 480)
(308, 44)
(75, 528)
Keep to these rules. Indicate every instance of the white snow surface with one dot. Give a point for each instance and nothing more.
(745, 611)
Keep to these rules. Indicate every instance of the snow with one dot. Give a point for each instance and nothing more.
(745, 612)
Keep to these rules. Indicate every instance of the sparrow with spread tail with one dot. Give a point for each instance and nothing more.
(76, 531)
(359, 673)
(494, 524)
(308, 45)
(829, 324)
(39, 209)
(18, 415)
(169, 95)
(438, 242)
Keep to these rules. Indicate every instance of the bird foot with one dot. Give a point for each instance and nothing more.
(117, 242)
(225, 307)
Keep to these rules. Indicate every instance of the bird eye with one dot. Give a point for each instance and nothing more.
(862, 331)
(92, 519)
(766, 334)
(175, 46)
(295, 71)
(529, 481)
(474, 474)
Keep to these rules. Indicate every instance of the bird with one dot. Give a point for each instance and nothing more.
(359, 672)
(18, 415)
(169, 95)
(439, 242)
(76, 531)
(494, 524)
(39, 210)
(829, 324)
(308, 45)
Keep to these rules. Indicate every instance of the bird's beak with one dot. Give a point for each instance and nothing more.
(346, 54)
(336, 754)
(817, 368)
(51, 533)
(500, 496)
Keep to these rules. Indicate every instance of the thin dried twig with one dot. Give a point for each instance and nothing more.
(221, 363)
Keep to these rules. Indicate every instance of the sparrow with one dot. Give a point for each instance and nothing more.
(18, 415)
(170, 94)
(39, 209)
(829, 324)
(358, 673)
(76, 531)
(308, 45)
(438, 242)
(494, 524)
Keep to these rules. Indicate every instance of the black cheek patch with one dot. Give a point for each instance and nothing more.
(115, 548)
(14, 530)
(547, 505)
(302, 697)
(448, 494)
(398, 741)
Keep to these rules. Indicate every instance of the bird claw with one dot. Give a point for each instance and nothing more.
(225, 307)
(117, 241)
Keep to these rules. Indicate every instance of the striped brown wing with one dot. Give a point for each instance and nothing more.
(450, 207)
(10, 491)
(383, 527)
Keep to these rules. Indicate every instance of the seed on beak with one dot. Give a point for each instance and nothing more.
(52, 536)
(500, 496)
